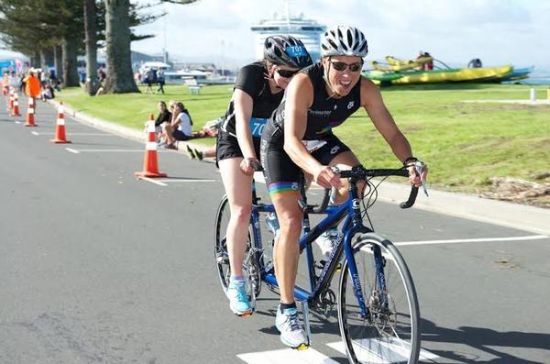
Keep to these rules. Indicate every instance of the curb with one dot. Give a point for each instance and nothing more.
(502, 213)
(507, 214)
(122, 131)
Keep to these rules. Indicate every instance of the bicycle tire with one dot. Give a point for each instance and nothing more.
(251, 269)
(391, 333)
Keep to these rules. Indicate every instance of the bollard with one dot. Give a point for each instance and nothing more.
(533, 95)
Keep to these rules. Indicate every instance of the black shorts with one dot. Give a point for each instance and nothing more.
(281, 173)
(180, 135)
(227, 147)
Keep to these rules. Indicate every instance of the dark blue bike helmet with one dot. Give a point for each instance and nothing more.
(286, 50)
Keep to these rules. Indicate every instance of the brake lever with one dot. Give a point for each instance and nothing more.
(333, 190)
(419, 168)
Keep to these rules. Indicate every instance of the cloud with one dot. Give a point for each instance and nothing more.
(498, 31)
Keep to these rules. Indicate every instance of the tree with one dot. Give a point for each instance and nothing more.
(32, 26)
(90, 34)
(117, 38)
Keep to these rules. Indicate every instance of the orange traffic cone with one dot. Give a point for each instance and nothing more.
(30, 113)
(150, 164)
(10, 103)
(60, 126)
(15, 110)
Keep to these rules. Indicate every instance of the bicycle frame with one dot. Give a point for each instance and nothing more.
(351, 211)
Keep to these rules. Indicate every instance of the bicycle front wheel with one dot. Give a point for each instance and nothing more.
(388, 331)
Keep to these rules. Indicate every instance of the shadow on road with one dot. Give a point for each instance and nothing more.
(484, 340)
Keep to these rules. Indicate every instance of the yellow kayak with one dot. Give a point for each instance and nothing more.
(404, 62)
(395, 64)
(388, 67)
(454, 75)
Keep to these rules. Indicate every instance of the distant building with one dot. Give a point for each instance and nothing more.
(307, 30)
(12, 61)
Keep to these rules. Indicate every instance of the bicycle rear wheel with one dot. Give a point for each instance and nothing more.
(390, 332)
(251, 269)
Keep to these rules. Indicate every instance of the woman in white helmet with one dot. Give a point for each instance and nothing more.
(317, 99)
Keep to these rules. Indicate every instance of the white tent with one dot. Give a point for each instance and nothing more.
(7, 54)
(13, 61)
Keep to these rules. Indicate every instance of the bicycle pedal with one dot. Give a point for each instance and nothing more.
(245, 314)
(302, 347)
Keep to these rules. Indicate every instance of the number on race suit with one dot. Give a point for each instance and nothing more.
(257, 126)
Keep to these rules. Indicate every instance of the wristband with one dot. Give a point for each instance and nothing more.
(409, 160)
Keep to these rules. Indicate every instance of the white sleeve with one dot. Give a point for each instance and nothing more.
(185, 124)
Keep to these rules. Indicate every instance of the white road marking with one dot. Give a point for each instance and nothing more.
(110, 150)
(165, 181)
(35, 133)
(17, 122)
(72, 150)
(80, 134)
(370, 350)
(154, 181)
(183, 180)
(479, 240)
(285, 356)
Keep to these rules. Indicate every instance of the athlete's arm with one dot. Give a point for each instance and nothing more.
(243, 104)
(298, 99)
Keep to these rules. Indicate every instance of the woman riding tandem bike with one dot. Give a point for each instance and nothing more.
(258, 91)
(317, 99)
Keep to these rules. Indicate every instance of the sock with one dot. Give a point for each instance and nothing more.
(284, 306)
(236, 279)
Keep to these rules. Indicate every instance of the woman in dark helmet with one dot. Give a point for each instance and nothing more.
(299, 138)
(258, 91)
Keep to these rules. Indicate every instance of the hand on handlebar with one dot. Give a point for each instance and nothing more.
(249, 165)
(418, 171)
(326, 177)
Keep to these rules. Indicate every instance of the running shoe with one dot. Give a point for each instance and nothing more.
(238, 299)
(292, 331)
(198, 154)
(190, 153)
(170, 146)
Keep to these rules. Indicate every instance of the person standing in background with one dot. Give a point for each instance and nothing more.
(32, 86)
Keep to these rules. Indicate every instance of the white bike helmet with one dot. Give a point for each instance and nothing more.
(344, 41)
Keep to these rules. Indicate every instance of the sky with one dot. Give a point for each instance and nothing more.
(454, 31)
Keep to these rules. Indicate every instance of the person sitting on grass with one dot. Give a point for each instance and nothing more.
(164, 116)
(179, 128)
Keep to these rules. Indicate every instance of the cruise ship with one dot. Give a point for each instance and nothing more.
(307, 30)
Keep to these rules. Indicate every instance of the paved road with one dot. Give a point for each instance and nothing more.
(99, 267)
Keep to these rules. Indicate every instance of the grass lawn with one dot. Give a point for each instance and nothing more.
(464, 143)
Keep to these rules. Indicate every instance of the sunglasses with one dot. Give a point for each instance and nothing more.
(286, 73)
(342, 66)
